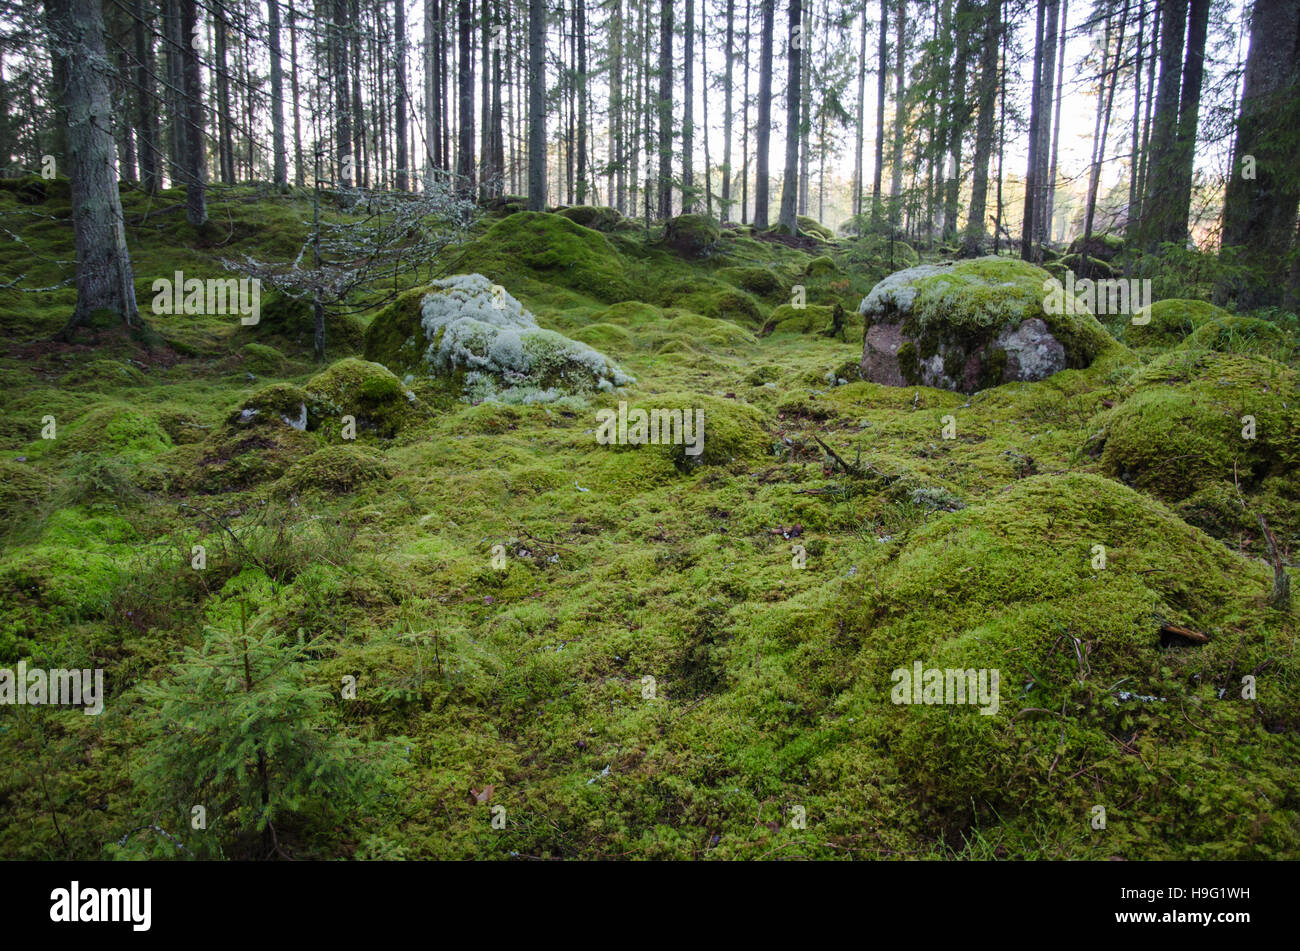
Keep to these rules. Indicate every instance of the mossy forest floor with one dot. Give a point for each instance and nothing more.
(648, 673)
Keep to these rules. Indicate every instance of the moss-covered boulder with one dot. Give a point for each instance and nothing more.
(335, 469)
(763, 282)
(1095, 269)
(973, 324)
(259, 438)
(262, 358)
(692, 236)
(596, 217)
(814, 228)
(1172, 321)
(1193, 418)
(104, 373)
(821, 266)
(1232, 334)
(369, 392)
(477, 340)
(550, 249)
(1015, 586)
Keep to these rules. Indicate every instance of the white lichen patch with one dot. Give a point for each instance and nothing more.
(897, 292)
(478, 327)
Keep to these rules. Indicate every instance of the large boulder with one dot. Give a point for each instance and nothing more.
(476, 338)
(973, 324)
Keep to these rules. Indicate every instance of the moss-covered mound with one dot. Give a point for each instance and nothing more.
(262, 358)
(369, 392)
(972, 324)
(596, 217)
(814, 228)
(814, 318)
(1018, 585)
(1233, 334)
(478, 340)
(1211, 430)
(260, 437)
(766, 283)
(712, 298)
(692, 236)
(22, 486)
(550, 249)
(333, 470)
(1096, 269)
(733, 432)
(1172, 321)
(104, 374)
(821, 266)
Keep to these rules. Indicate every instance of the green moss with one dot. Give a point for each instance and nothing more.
(823, 266)
(976, 298)
(812, 318)
(712, 299)
(333, 470)
(691, 236)
(765, 283)
(734, 433)
(1172, 321)
(877, 253)
(812, 226)
(1182, 429)
(908, 363)
(22, 487)
(550, 249)
(262, 358)
(598, 218)
(104, 374)
(394, 337)
(290, 324)
(367, 391)
(1232, 334)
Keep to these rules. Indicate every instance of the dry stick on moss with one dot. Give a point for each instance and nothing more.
(1281, 581)
(226, 528)
(1196, 637)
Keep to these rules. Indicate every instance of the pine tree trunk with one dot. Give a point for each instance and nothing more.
(536, 105)
(196, 199)
(763, 133)
(688, 107)
(1259, 212)
(103, 269)
(1035, 119)
(1050, 204)
(727, 114)
(973, 244)
(665, 109)
(790, 180)
(280, 173)
(882, 76)
(900, 112)
(146, 106)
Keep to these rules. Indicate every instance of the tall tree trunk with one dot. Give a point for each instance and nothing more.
(1045, 184)
(225, 131)
(973, 244)
(580, 14)
(704, 105)
(763, 133)
(104, 278)
(1184, 157)
(342, 105)
(280, 173)
(536, 105)
(1105, 100)
(961, 112)
(299, 170)
(744, 125)
(688, 108)
(665, 109)
(1035, 118)
(1050, 198)
(882, 74)
(727, 116)
(790, 180)
(1263, 192)
(146, 106)
(860, 122)
(900, 113)
(1160, 211)
(403, 101)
